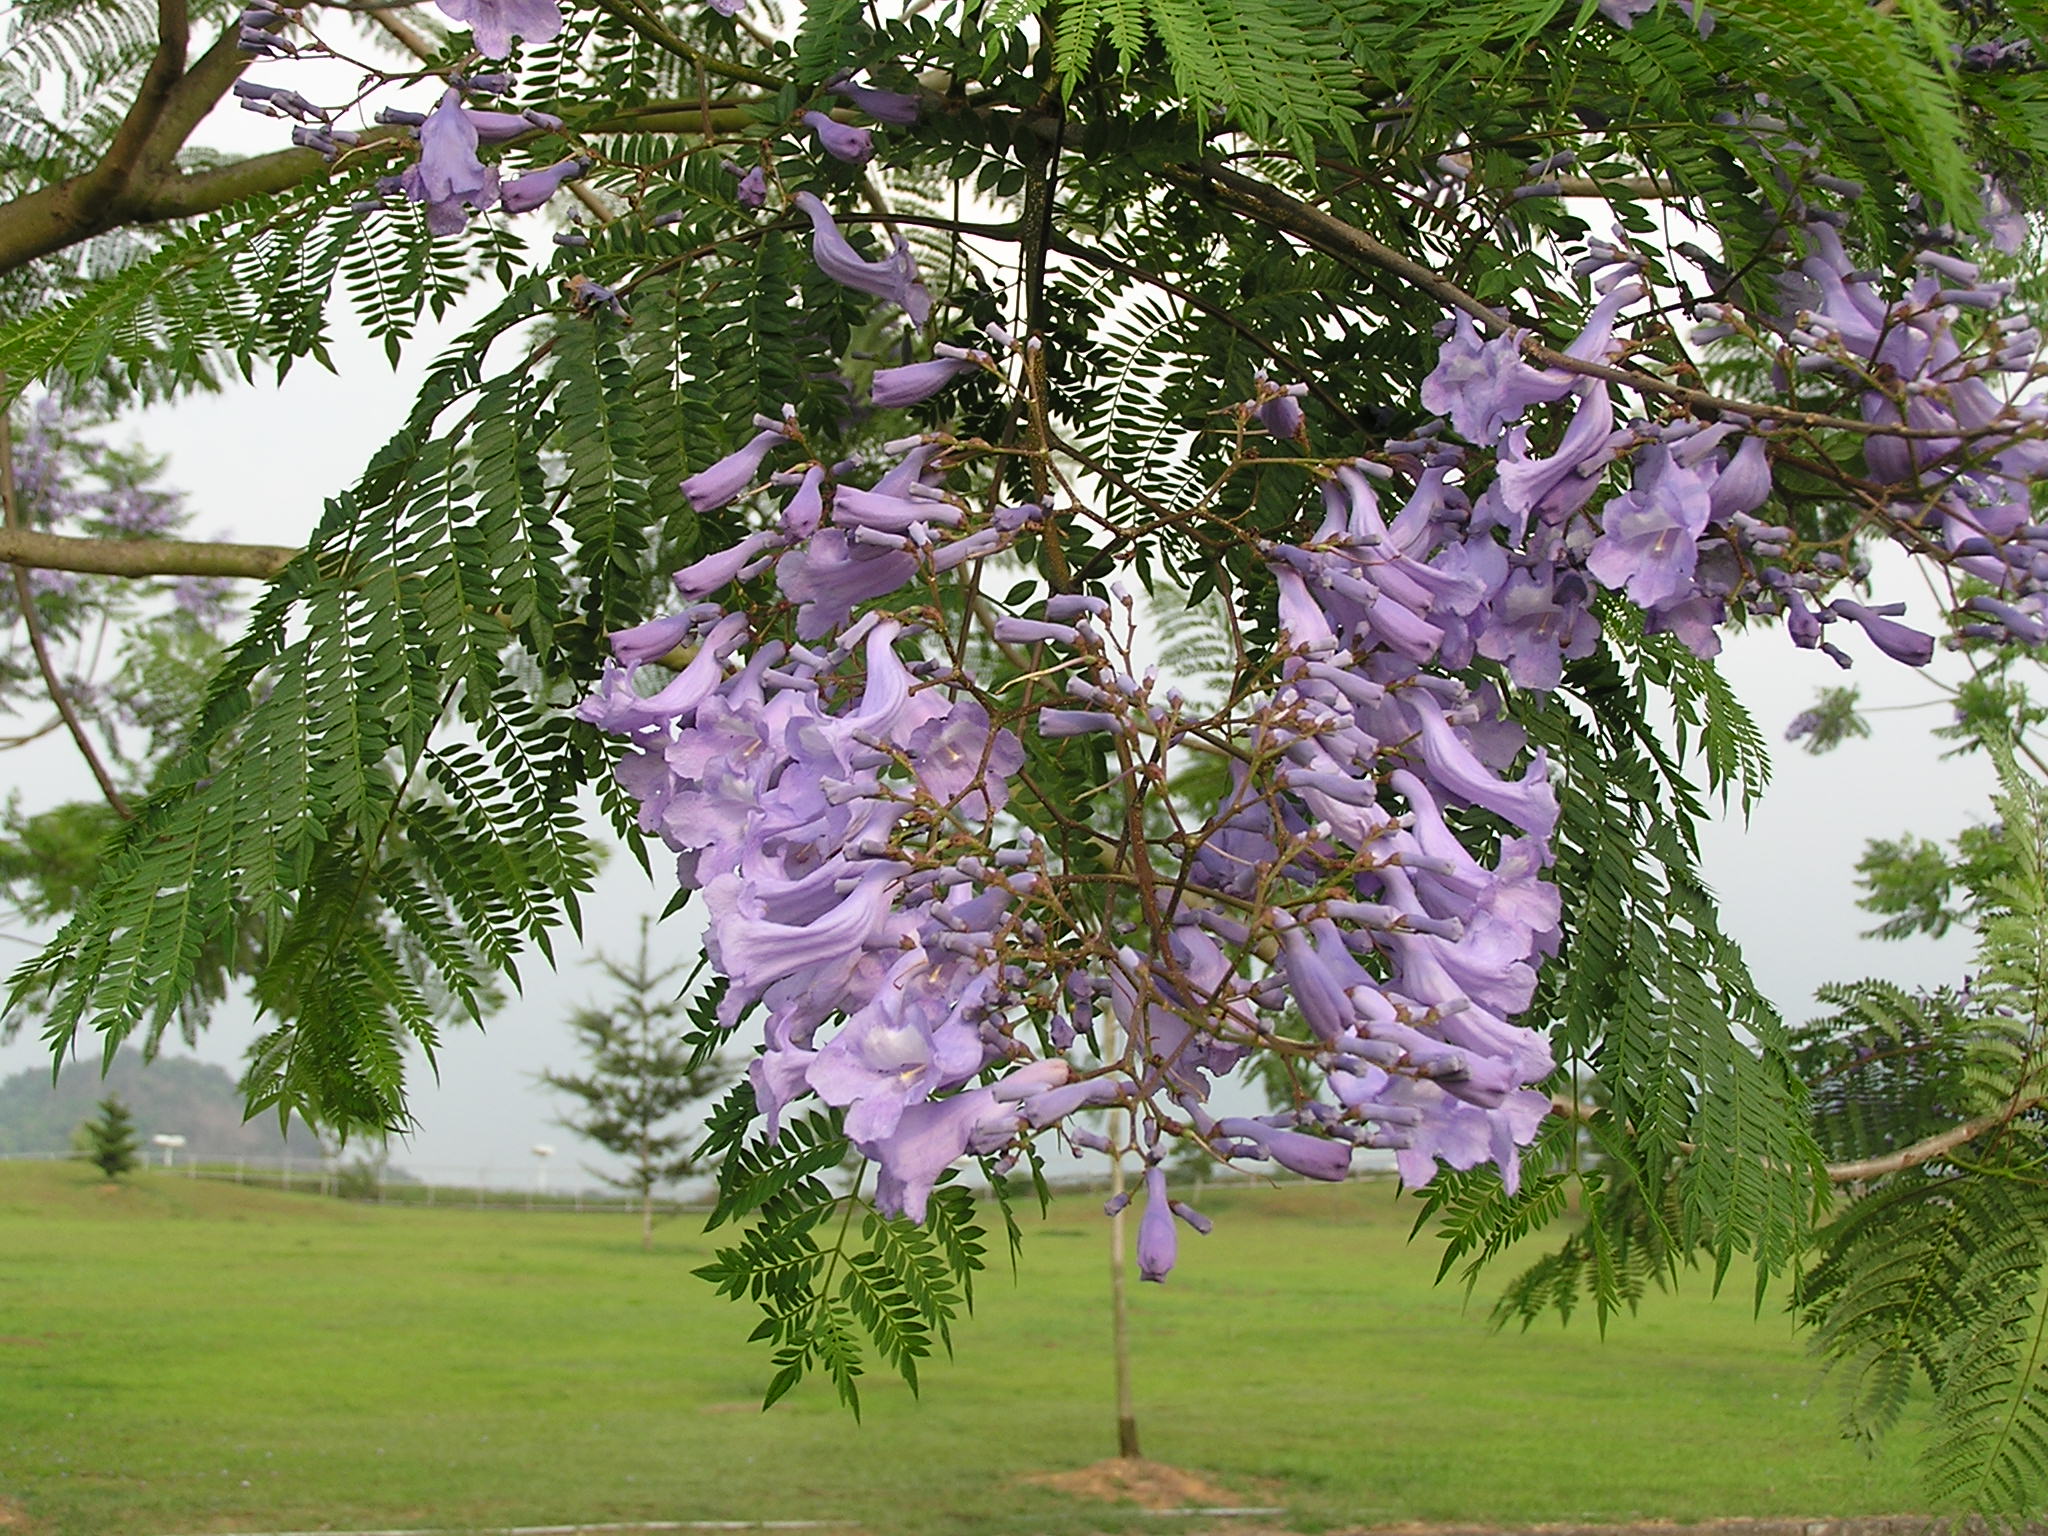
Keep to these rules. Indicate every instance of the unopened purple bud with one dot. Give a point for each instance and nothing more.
(398, 117)
(842, 141)
(657, 637)
(1896, 640)
(883, 106)
(1075, 722)
(914, 383)
(1117, 1202)
(717, 484)
(1015, 631)
(752, 191)
(1065, 607)
(1057, 1103)
(1192, 1217)
(525, 193)
(1951, 267)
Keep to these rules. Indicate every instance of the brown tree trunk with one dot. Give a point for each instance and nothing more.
(1120, 1332)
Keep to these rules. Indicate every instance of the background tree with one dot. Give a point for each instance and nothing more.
(109, 1139)
(644, 1075)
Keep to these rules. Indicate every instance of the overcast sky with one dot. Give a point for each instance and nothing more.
(257, 461)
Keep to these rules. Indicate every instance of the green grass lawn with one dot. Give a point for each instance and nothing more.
(179, 1356)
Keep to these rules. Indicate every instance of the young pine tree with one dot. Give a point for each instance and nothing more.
(643, 1074)
(110, 1141)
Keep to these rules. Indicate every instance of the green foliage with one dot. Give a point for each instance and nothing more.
(1683, 1139)
(831, 1279)
(109, 1141)
(1832, 719)
(1933, 1267)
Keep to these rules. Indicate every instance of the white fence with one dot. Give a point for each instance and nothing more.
(483, 1187)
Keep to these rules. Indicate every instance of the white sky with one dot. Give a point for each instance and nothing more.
(258, 460)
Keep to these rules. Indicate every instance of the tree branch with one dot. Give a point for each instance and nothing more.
(1863, 1169)
(1355, 248)
(105, 182)
(1929, 1148)
(29, 548)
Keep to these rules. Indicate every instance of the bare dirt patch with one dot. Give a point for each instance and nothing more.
(13, 1520)
(1147, 1484)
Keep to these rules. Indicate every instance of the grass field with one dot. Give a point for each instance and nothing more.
(179, 1356)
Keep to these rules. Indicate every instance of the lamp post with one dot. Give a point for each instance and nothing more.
(541, 1153)
(170, 1144)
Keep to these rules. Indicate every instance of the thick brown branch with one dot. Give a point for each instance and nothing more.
(410, 37)
(140, 163)
(105, 182)
(32, 549)
(1863, 1169)
(1928, 1148)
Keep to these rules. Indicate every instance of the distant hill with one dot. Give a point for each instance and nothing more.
(173, 1094)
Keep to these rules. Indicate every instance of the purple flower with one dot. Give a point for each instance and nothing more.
(1484, 386)
(752, 191)
(893, 278)
(525, 193)
(1895, 640)
(960, 761)
(448, 177)
(828, 576)
(1540, 620)
(1552, 489)
(914, 383)
(1529, 803)
(842, 141)
(756, 952)
(910, 1042)
(718, 483)
(883, 106)
(1158, 1242)
(929, 1139)
(1744, 483)
(496, 22)
(1649, 534)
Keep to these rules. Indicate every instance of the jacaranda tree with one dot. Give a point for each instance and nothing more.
(1468, 368)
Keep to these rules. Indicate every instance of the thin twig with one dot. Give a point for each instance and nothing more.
(31, 619)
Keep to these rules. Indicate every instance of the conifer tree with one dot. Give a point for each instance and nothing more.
(109, 1140)
(642, 1075)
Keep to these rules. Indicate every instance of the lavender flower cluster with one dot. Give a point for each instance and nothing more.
(1367, 901)
(843, 811)
(1962, 482)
